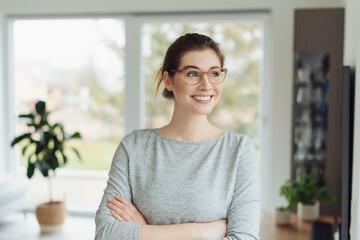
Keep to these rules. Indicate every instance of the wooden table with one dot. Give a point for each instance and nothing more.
(297, 230)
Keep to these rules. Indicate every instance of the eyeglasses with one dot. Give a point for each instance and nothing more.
(192, 76)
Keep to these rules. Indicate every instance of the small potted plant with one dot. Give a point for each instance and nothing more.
(45, 150)
(308, 197)
(283, 213)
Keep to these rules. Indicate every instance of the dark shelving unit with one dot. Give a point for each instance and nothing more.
(317, 94)
(310, 106)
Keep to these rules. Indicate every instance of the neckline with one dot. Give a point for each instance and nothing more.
(189, 142)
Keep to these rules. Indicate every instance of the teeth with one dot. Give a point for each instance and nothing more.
(204, 98)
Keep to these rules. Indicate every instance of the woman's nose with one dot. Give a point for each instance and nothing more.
(204, 82)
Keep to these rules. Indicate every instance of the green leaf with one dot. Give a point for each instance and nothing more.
(65, 159)
(63, 156)
(282, 208)
(31, 168)
(77, 153)
(30, 115)
(24, 149)
(43, 119)
(39, 147)
(43, 166)
(40, 107)
(20, 138)
(53, 162)
(59, 157)
(32, 125)
(52, 127)
(57, 144)
(76, 135)
(60, 125)
(46, 136)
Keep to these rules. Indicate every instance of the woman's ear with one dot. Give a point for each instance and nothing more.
(167, 81)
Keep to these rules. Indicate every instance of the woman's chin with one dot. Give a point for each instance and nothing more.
(205, 111)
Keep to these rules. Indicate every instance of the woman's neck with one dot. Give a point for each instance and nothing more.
(194, 128)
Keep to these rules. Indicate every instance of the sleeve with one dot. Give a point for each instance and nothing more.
(244, 211)
(107, 227)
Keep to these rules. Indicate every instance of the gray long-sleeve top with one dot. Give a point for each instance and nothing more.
(172, 181)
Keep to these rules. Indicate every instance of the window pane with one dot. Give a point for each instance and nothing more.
(238, 108)
(77, 67)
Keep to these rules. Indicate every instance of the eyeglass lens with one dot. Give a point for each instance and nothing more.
(193, 75)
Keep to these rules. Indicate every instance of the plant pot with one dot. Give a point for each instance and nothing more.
(282, 217)
(51, 216)
(308, 212)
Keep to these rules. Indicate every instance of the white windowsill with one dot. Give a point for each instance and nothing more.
(72, 210)
(85, 173)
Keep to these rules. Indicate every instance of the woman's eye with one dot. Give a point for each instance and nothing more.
(192, 74)
(215, 74)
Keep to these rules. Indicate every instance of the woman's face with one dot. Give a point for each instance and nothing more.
(197, 99)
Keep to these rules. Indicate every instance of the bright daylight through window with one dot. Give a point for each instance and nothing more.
(77, 67)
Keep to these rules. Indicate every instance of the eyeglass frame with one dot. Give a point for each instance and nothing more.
(202, 73)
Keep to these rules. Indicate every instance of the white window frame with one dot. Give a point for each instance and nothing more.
(10, 118)
(134, 105)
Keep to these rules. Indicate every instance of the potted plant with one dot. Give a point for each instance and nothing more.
(283, 213)
(46, 151)
(308, 197)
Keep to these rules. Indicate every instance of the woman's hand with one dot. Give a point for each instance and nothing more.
(124, 211)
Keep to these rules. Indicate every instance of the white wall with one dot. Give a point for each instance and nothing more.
(282, 20)
(352, 58)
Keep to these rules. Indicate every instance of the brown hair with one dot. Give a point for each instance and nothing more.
(182, 45)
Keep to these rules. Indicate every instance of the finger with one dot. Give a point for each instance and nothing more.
(127, 203)
(120, 212)
(117, 217)
(130, 213)
(130, 209)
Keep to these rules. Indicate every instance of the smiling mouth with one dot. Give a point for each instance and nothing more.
(202, 98)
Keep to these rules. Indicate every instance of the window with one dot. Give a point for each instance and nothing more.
(77, 67)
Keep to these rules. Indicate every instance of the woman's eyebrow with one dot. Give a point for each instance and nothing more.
(192, 66)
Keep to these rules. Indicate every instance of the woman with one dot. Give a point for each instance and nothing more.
(188, 179)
